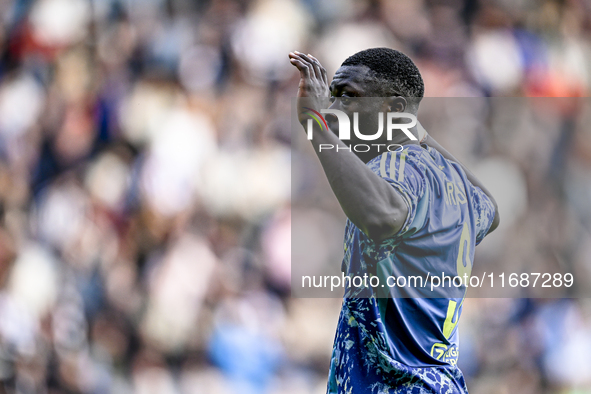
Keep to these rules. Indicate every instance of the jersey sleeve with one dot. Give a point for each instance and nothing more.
(401, 169)
(484, 211)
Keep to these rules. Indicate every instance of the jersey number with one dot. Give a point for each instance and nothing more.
(463, 266)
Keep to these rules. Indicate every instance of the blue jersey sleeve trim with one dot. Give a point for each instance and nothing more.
(485, 213)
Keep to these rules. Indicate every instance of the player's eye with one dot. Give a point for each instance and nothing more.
(345, 100)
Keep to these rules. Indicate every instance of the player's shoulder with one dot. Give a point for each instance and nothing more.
(442, 168)
(395, 164)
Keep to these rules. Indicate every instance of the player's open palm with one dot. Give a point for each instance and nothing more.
(313, 89)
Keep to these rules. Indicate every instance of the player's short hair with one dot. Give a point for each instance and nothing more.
(400, 76)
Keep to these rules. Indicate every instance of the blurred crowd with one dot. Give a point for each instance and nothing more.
(147, 199)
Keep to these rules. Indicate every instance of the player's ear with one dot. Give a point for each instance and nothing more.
(397, 104)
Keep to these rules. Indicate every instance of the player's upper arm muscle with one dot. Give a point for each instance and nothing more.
(393, 219)
(400, 169)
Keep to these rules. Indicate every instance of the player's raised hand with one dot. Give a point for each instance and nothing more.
(313, 87)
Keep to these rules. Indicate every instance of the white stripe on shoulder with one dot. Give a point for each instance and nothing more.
(393, 164)
(401, 167)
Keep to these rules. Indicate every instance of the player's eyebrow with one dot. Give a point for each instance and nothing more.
(333, 86)
(340, 86)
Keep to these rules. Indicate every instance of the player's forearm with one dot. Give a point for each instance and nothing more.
(367, 200)
(430, 141)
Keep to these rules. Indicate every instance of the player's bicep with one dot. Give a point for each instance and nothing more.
(386, 221)
(406, 179)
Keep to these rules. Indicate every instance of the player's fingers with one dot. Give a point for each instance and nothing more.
(319, 69)
(323, 72)
(315, 65)
(314, 72)
(300, 65)
(316, 61)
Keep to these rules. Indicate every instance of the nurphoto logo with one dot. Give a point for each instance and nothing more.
(344, 123)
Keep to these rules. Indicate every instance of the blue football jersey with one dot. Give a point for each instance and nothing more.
(405, 338)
